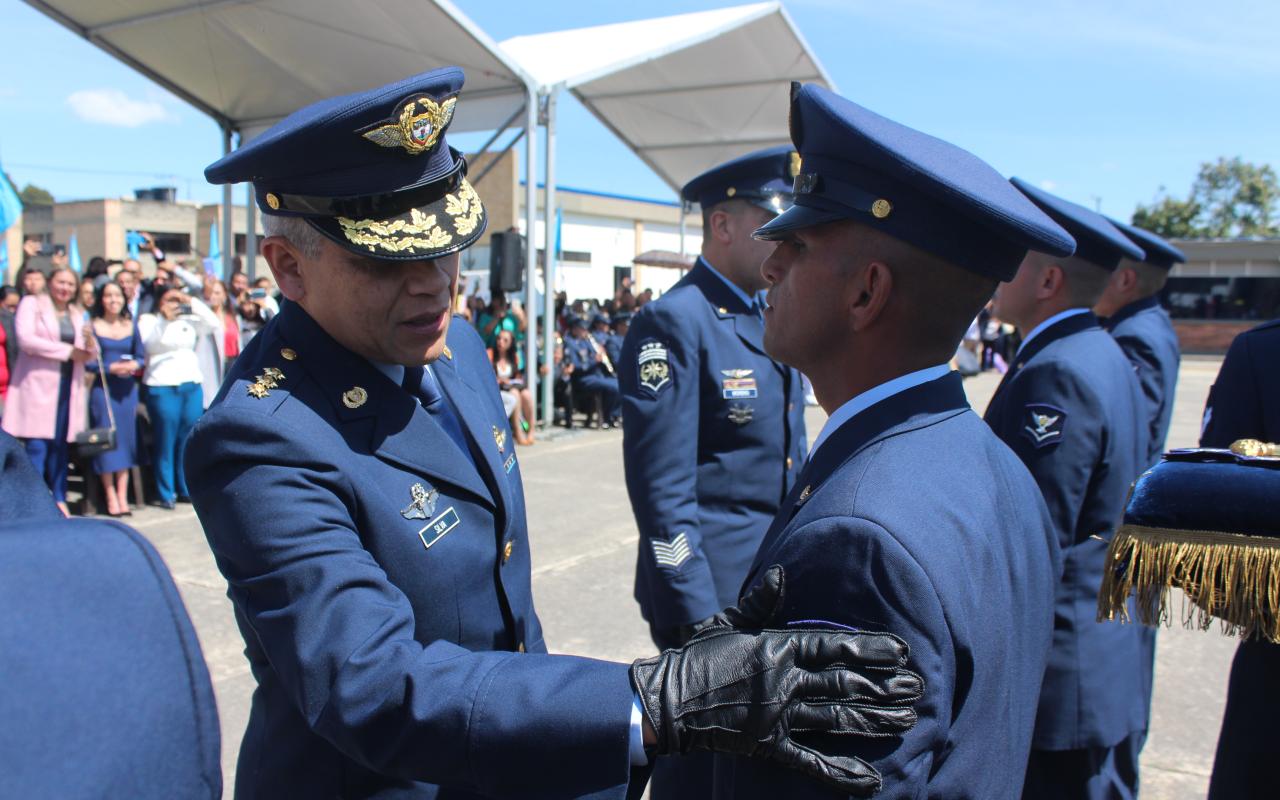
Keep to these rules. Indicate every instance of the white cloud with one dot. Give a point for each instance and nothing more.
(1048, 186)
(114, 107)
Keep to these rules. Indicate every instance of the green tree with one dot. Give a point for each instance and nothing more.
(1230, 198)
(33, 195)
(1237, 198)
(1169, 217)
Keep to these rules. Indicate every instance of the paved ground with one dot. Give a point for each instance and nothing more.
(584, 543)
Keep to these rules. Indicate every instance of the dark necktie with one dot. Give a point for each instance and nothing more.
(421, 383)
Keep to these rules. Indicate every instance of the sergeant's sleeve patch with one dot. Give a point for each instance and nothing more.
(1044, 424)
(654, 366)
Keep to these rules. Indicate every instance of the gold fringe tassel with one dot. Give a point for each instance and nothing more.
(1230, 577)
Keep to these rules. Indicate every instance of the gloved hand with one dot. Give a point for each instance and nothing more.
(739, 687)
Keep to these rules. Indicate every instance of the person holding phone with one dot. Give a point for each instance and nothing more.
(173, 379)
(122, 356)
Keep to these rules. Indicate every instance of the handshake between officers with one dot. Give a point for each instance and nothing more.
(357, 481)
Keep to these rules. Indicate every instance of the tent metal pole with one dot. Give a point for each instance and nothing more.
(228, 235)
(531, 243)
(684, 207)
(552, 241)
(250, 234)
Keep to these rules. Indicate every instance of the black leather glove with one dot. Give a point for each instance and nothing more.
(738, 687)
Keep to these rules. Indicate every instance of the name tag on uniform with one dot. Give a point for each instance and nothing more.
(739, 388)
(435, 530)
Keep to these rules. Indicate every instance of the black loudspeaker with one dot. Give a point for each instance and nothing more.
(506, 262)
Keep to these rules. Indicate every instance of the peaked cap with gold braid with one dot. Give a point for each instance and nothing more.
(371, 171)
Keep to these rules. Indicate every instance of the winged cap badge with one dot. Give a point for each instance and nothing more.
(419, 126)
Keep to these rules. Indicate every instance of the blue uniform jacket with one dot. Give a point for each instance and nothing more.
(23, 492)
(713, 437)
(1070, 407)
(581, 354)
(1244, 401)
(1145, 334)
(913, 518)
(105, 691)
(382, 586)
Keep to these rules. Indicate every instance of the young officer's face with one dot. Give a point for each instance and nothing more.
(807, 312)
(393, 312)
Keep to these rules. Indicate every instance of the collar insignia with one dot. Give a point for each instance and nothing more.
(354, 397)
(418, 127)
(422, 502)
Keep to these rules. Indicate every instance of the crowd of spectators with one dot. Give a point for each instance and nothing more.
(113, 350)
(143, 356)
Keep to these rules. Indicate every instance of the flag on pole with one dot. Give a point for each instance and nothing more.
(73, 254)
(10, 210)
(132, 240)
(213, 260)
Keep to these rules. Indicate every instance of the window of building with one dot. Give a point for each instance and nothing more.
(176, 243)
(567, 256)
(1222, 298)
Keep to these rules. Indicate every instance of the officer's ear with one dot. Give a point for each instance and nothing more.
(286, 267)
(1051, 281)
(872, 289)
(720, 225)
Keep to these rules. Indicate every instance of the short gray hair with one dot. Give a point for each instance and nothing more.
(300, 234)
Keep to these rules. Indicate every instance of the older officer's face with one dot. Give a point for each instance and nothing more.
(808, 313)
(394, 312)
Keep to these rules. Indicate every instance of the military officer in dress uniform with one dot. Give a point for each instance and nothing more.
(593, 371)
(1070, 407)
(713, 429)
(909, 515)
(619, 326)
(1130, 309)
(1244, 403)
(358, 485)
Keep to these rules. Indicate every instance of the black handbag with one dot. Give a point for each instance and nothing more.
(96, 441)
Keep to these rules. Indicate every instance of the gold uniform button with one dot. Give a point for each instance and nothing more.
(788, 462)
(520, 647)
(881, 208)
(723, 310)
(506, 551)
(289, 354)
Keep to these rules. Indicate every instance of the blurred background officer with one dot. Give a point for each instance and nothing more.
(619, 326)
(909, 515)
(1244, 403)
(1130, 309)
(592, 370)
(357, 482)
(1071, 409)
(713, 429)
(106, 693)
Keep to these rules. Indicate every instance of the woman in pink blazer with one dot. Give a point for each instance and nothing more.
(46, 403)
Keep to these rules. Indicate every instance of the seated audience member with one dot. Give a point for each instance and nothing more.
(173, 380)
(592, 371)
(108, 694)
(621, 323)
(517, 400)
(46, 403)
(501, 316)
(121, 353)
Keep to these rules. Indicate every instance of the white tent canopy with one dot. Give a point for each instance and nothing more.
(684, 92)
(247, 63)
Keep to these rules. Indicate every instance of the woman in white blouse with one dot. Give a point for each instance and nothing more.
(173, 379)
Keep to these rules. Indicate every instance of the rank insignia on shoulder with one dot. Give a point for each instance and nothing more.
(654, 366)
(422, 502)
(741, 413)
(1044, 424)
(258, 390)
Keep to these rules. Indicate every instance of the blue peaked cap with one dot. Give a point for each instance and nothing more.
(858, 165)
(1159, 252)
(371, 171)
(1097, 240)
(762, 178)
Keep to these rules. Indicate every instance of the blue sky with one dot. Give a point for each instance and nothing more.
(1101, 102)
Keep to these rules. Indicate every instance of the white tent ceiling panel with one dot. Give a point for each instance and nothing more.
(684, 92)
(252, 62)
